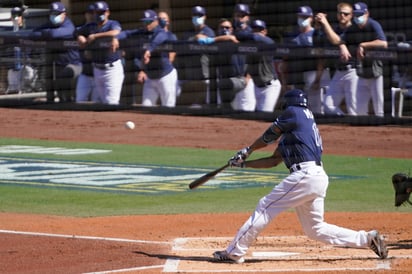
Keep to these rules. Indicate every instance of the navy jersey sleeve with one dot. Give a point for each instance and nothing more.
(64, 31)
(377, 28)
(159, 38)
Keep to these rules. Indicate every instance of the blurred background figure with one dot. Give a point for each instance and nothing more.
(85, 88)
(366, 34)
(101, 38)
(156, 72)
(314, 80)
(20, 74)
(63, 64)
(231, 78)
(262, 70)
(194, 70)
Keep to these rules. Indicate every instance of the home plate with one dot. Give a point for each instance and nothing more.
(272, 254)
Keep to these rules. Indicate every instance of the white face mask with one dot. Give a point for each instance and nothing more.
(56, 19)
(198, 21)
(359, 20)
(303, 22)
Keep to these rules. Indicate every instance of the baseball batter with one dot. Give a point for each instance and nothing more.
(304, 189)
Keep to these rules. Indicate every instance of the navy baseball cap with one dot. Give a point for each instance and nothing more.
(90, 8)
(242, 8)
(149, 15)
(258, 24)
(199, 11)
(360, 8)
(16, 11)
(101, 6)
(57, 7)
(305, 11)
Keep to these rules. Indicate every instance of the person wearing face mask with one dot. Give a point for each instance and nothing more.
(234, 90)
(262, 70)
(101, 38)
(241, 18)
(20, 74)
(365, 34)
(155, 70)
(315, 78)
(164, 23)
(193, 69)
(63, 64)
(85, 88)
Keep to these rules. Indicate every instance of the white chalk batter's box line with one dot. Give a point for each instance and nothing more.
(178, 244)
(186, 246)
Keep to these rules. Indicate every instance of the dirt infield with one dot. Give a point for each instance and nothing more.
(183, 243)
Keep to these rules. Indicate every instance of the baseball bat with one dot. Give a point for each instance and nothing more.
(201, 180)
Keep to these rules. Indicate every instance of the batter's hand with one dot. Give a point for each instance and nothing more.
(239, 158)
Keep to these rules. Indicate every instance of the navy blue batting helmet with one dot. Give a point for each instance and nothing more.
(295, 97)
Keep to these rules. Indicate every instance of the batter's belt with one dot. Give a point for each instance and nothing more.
(303, 165)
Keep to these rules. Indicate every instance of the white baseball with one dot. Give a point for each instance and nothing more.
(129, 125)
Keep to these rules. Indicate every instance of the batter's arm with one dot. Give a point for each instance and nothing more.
(267, 162)
(268, 137)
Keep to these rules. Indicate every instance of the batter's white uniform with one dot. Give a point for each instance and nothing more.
(306, 194)
(304, 189)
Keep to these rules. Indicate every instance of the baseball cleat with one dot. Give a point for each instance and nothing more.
(377, 244)
(224, 257)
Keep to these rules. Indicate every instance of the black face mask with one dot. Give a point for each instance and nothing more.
(100, 18)
(224, 32)
(163, 23)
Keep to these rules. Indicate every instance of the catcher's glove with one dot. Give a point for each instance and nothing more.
(403, 188)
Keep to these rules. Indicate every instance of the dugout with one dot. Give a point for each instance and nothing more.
(279, 16)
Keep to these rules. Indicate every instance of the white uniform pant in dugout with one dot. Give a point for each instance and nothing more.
(267, 96)
(370, 88)
(109, 81)
(315, 97)
(342, 86)
(245, 99)
(304, 190)
(166, 88)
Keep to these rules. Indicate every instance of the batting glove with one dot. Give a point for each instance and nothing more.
(239, 158)
(234, 163)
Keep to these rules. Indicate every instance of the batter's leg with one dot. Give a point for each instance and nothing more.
(310, 215)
